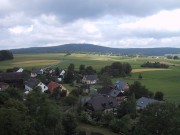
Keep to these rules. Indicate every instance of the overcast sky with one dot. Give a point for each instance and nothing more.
(112, 23)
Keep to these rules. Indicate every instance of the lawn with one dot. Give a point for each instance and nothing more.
(165, 80)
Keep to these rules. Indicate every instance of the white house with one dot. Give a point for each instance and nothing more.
(20, 70)
(33, 83)
(62, 73)
(90, 79)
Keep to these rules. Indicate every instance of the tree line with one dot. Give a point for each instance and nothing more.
(154, 65)
(6, 55)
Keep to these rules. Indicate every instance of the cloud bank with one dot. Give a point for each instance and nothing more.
(113, 23)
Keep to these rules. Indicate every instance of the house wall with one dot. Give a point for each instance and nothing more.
(28, 88)
(33, 74)
(43, 87)
(20, 70)
(111, 110)
(62, 73)
(88, 81)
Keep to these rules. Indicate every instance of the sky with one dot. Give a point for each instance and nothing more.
(111, 23)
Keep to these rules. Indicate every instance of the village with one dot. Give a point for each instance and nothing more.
(84, 96)
(49, 80)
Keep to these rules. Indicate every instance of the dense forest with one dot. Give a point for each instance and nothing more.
(6, 55)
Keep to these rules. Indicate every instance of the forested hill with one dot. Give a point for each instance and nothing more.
(98, 49)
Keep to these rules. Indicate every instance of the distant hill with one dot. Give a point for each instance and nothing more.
(97, 49)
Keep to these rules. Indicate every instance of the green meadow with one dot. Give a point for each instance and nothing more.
(167, 81)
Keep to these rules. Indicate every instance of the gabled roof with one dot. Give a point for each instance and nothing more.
(102, 102)
(32, 82)
(11, 76)
(120, 85)
(52, 85)
(106, 90)
(36, 71)
(15, 69)
(115, 93)
(143, 102)
(91, 77)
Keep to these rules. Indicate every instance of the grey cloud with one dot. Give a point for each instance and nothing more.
(69, 10)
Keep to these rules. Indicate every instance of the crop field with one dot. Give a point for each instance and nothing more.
(165, 80)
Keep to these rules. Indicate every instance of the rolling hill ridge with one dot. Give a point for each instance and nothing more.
(97, 49)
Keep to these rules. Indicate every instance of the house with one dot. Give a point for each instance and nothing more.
(13, 79)
(49, 71)
(35, 72)
(90, 79)
(62, 72)
(15, 69)
(142, 102)
(53, 86)
(90, 91)
(103, 103)
(106, 90)
(3, 86)
(33, 83)
(121, 86)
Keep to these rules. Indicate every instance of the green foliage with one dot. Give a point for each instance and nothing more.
(127, 107)
(76, 92)
(57, 71)
(70, 100)
(6, 55)
(139, 90)
(70, 123)
(154, 65)
(106, 80)
(56, 94)
(106, 118)
(117, 69)
(70, 74)
(140, 77)
(159, 118)
(86, 70)
(120, 125)
(132, 105)
(86, 118)
(159, 95)
(10, 93)
(14, 119)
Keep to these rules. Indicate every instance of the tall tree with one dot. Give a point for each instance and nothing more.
(159, 118)
(70, 123)
(159, 95)
(139, 90)
(70, 74)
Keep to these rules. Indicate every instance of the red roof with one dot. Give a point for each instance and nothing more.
(52, 86)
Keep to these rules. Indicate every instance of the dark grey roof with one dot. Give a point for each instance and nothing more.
(36, 71)
(115, 93)
(32, 82)
(11, 76)
(143, 102)
(106, 90)
(91, 77)
(102, 102)
(120, 85)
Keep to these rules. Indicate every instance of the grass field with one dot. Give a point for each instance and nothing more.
(165, 80)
